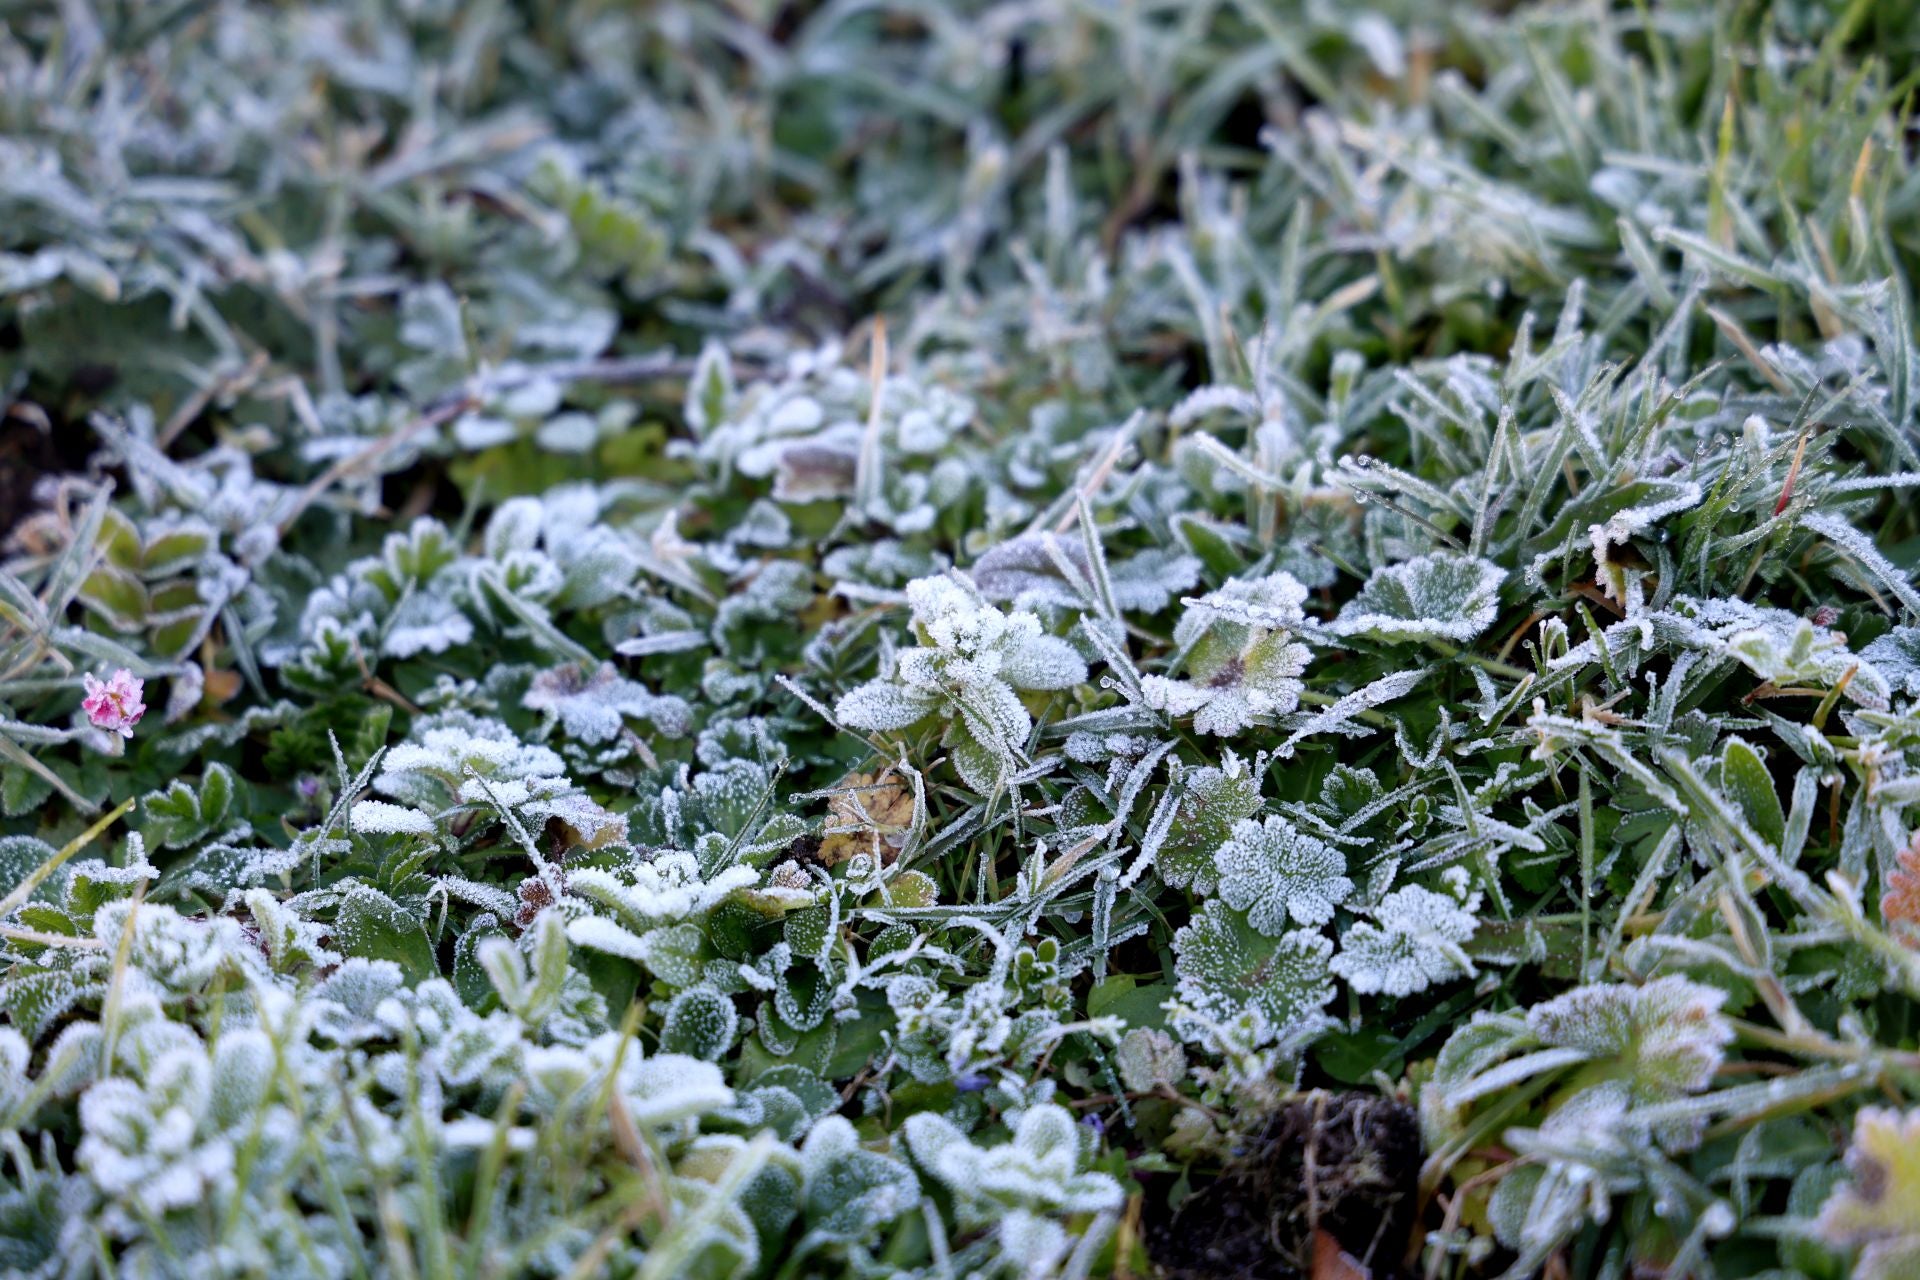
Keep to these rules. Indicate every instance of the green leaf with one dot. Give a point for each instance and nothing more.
(1746, 781)
(183, 815)
(22, 790)
(372, 925)
(700, 1023)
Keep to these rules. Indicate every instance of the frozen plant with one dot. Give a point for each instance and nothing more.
(1242, 663)
(971, 661)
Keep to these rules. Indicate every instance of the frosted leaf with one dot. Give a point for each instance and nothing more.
(671, 1087)
(378, 818)
(1864, 551)
(1790, 651)
(1878, 1208)
(1667, 1034)
(1269, 603)
(180, 955)
(1272, 870)
(1896, 656)
(597, 933)
(882, 705)
(356, 989)
(1023, 572)
(425, 623)
(514, 526)
(1414, 941)
(529, 575)
(975, 641)
(1643, 504)
(851, 1192)
(710, 389)
(585, 822)
(1044, 662)
(288, 939)
(183, 814)
(700, 1024)
(445, 749)
(660, 890)
(141, 1145)
(1438, 596)
(595, 708)
(15, 1053)
(1343, 715)
(243, 1066)
(1034, 1246)
(488, 897)
(1213, 800)
(1148, 1058)
(1242, 662)
(971, 658)
(778, 591)
(1225, 965)
(1037, 1170)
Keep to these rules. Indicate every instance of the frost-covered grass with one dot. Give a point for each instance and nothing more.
(761, 640)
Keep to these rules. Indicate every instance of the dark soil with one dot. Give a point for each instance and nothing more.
(1347, 1165)
(28, 451)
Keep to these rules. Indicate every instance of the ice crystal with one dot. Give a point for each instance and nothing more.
(1242, 663)
(1439, 596)
(971, 660)
(1272, 870)
(1413, 941)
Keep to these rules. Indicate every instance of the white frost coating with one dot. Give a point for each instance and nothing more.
(1414, 941)
(378, 818)
(1438, 596)
(971, 660)
(1273, 870)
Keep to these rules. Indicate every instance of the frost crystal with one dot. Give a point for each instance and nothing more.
(1414, 941)
(1225, 965)
(1438, 596)
(1272, 870)
(595, 708)
(1241, 660)
(971, 659)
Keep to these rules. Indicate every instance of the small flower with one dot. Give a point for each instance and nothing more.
(114, 704)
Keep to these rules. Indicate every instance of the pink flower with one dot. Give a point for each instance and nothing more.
(114, 704)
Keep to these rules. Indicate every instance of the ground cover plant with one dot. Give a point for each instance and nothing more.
(1031, 638)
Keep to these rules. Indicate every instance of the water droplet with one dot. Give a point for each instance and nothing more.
(1360, 497)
